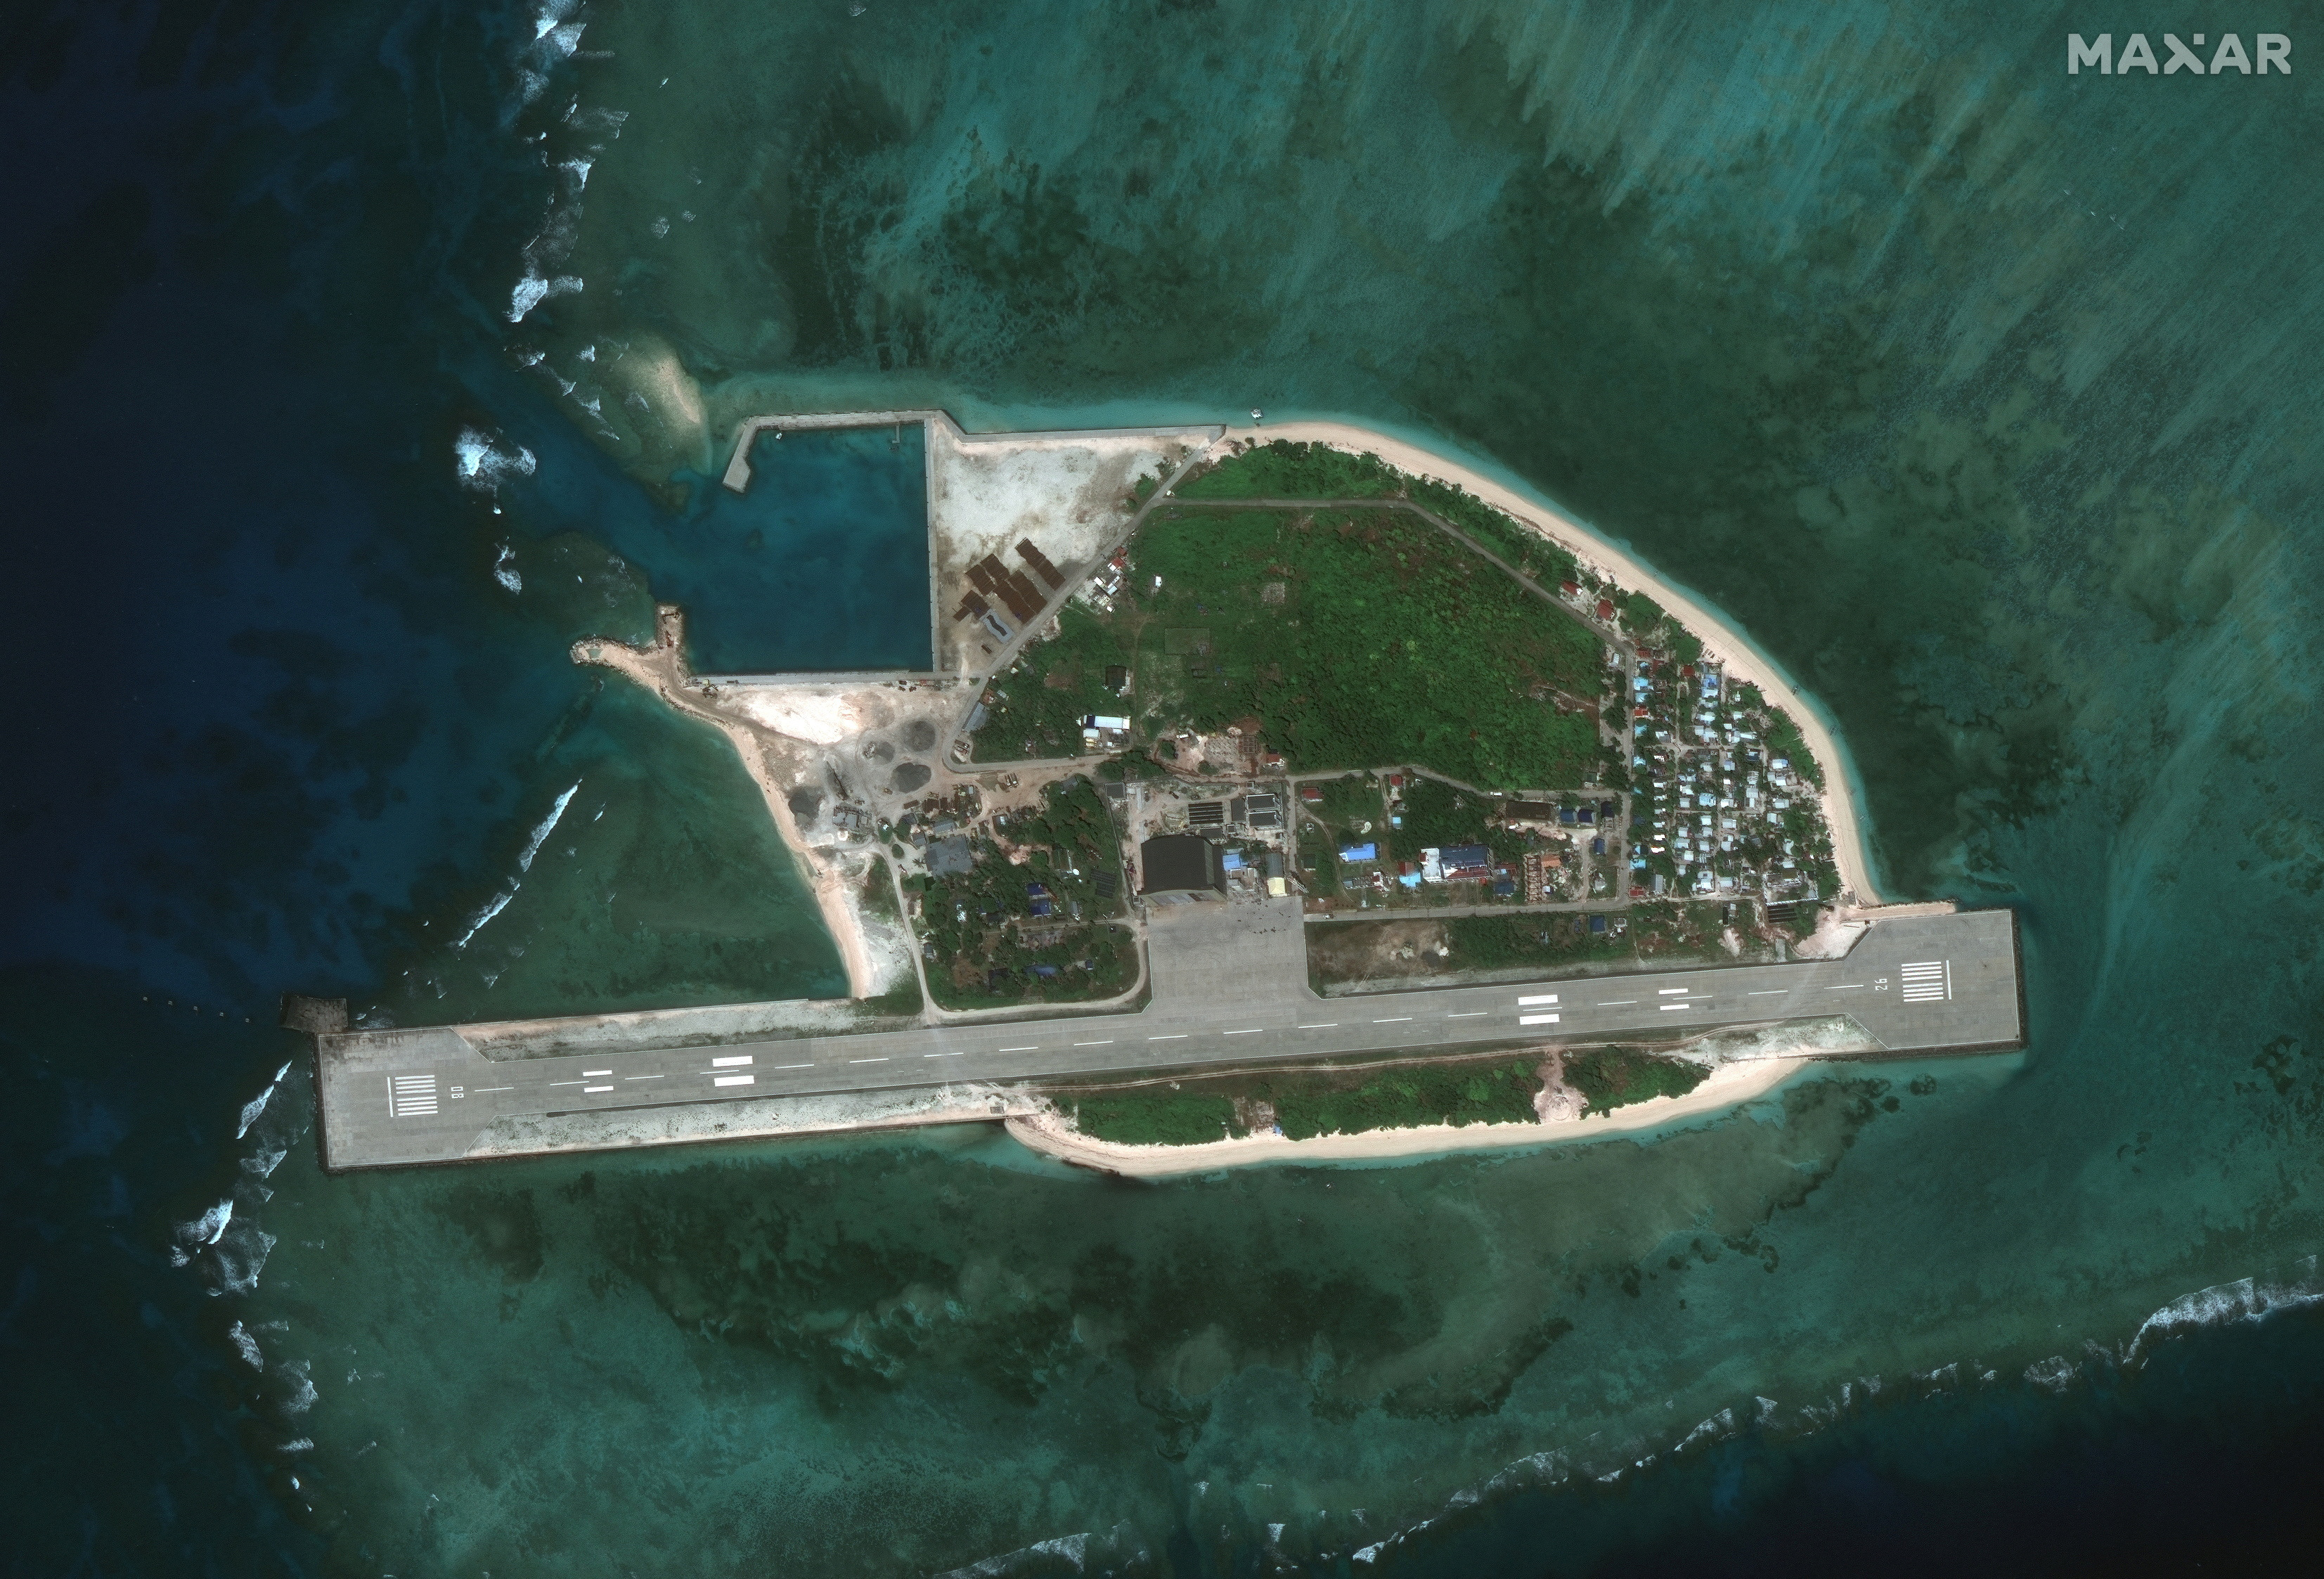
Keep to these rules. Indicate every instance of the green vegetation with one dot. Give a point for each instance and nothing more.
(1667, 928)
(879, 890)
(1315, 1102)
(1493, 943)
(1036, 709)
(1295, 471)
(992, 945)
(1641, 615)
(1284, 470)
(1784, 739)
(1435, 814)
(1155, 1118)
(1359, 641)
(1403, 1099)
(1347, 801)
(1342, 952)
(1611, 1077)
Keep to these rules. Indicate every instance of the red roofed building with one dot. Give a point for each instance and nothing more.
(1605, 609)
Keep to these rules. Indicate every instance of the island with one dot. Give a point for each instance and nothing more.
(1270, 793)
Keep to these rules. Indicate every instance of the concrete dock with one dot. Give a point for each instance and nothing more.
(1230, 989)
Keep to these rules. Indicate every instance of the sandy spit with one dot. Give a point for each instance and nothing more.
(659, 670)
(1728, 1086)
(1721, 639)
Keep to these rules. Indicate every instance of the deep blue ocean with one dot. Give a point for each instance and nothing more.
(356, 359)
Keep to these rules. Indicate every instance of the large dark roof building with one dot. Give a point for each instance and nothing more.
(1181, 863)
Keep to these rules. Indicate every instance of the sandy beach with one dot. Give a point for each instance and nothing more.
(1728, 1086)
(1718, 638)
(660, 669)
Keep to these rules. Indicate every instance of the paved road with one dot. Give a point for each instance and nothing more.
(1222, 996)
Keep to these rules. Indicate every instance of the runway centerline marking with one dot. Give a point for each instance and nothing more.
(1468, 1014)
(958, 1055)
(1616, 1003)
(482, 1089)
(1767, 992)
(794, 1065)
(1106, 1043)
(1034, 1048)
(1254, 1030)
(1393, 1020)
(565, 1082)
(1178, 1037)
(1845, 987)
(645, 1076)
(879, 1060)
(1324, 1025)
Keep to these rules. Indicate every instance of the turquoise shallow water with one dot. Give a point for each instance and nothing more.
(1982, 396)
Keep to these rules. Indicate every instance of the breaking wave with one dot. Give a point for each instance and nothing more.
(257, 1104)
(484, 464)
(548, 825)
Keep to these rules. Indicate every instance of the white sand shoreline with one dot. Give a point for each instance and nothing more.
(1719, 636)
(1726, 1087)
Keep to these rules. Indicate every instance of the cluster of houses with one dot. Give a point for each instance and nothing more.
(1716, 796)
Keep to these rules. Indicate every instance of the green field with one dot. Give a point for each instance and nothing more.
(1315, 1102)
(1352, 640)
(1155, 1118)
(1313, 471)
(1362, 641)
